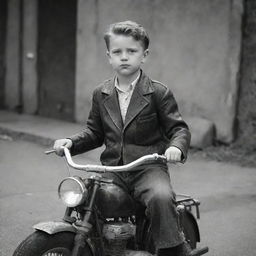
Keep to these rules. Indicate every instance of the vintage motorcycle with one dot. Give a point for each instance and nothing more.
(101, 219)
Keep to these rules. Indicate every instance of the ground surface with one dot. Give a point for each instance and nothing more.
(243, 155)
(28, 194)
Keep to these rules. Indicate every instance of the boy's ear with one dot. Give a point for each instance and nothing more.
(108, 55)
(145, 54)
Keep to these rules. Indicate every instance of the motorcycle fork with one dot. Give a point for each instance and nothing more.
(84, 226)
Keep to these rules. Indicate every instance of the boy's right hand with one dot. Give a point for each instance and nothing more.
(58, 144)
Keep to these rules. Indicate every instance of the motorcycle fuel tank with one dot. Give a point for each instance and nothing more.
(114, 202)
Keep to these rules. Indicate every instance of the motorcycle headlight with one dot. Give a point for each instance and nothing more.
(72, 191)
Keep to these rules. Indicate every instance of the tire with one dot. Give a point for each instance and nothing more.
(190, 231)
(42, 244)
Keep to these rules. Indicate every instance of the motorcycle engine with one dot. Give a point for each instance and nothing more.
(116, 236)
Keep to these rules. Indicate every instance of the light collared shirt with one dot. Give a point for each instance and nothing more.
(124, 96)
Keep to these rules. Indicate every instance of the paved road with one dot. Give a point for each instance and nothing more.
(28, 195)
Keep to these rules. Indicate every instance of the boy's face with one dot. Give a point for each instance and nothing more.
(126, 55)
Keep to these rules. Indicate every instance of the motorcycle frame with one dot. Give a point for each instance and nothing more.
(82, 228)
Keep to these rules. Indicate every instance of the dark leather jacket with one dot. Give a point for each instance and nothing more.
(152, 123)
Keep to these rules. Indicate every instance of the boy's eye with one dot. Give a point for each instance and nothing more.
(116, 52)
(132, 50)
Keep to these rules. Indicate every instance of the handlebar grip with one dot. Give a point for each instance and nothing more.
(160, 157)
(47, 152)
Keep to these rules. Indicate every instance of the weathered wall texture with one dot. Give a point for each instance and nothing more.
(12, 56)
(3, 17)
(194, 49)
(29, 56)
(247, 97)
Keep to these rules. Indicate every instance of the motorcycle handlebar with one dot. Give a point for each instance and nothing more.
(101, 169)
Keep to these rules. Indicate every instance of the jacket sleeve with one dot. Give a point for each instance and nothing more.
(92, 136)
(173, 126)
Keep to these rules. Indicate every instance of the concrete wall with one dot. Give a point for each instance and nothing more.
(195, 50)
(13, 56)
(247, 96)
(21, 50)
(29, 57)
(3, 18)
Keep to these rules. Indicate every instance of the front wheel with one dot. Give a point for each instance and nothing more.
(42, 244)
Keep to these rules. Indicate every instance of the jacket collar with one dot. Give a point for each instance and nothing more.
(144, 85)
(138, 100)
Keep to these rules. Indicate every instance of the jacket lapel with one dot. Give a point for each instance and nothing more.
(111, 103)
(139, 99)
(138, 102)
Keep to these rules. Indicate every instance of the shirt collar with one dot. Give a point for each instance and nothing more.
(132, 85)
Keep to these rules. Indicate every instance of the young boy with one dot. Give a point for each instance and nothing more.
(135, 116)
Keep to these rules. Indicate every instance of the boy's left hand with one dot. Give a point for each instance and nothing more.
(173, 154)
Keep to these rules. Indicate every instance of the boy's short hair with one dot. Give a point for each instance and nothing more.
(128, 28)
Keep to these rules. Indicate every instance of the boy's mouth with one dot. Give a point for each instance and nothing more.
(124, 65)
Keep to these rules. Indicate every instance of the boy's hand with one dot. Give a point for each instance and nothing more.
(173, 154)
(58, 144)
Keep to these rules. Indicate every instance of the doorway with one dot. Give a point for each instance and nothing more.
(56, 58)
(3, 19)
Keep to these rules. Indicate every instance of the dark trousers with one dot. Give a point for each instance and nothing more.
(151, 186)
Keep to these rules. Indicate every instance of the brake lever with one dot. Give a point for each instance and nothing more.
(161, 158)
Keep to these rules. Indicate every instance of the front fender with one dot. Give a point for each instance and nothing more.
(53, 227)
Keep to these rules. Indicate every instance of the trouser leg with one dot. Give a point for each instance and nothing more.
(153, 189)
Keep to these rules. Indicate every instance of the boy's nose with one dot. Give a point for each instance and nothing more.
(124, 56)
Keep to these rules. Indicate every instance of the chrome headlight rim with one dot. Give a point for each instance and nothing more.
(82, 187)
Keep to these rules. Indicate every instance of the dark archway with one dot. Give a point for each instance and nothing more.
(3, 19)
(56, 58)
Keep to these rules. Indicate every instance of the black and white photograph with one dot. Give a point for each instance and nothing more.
(127, 127)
